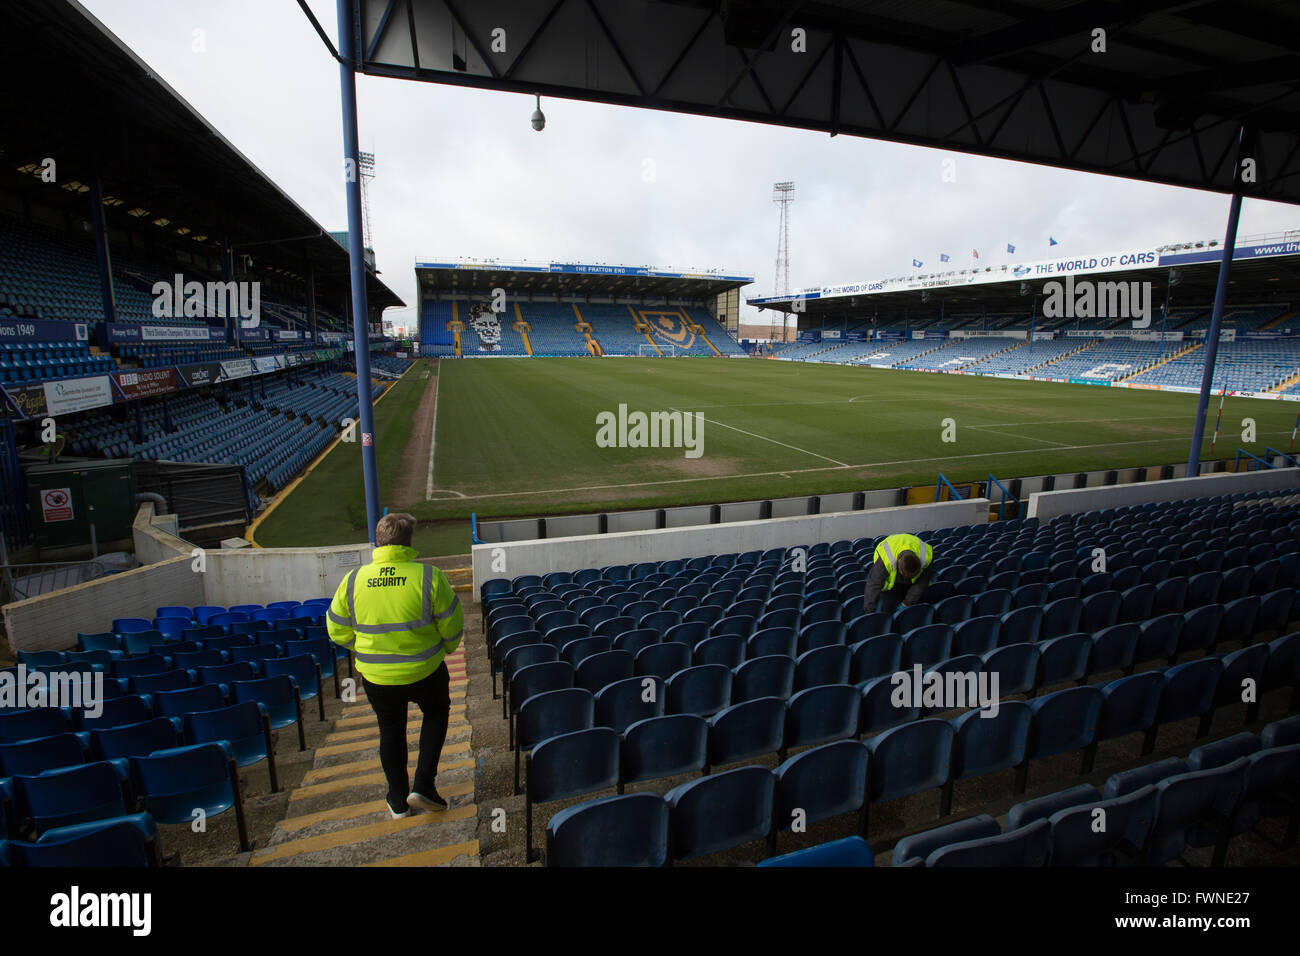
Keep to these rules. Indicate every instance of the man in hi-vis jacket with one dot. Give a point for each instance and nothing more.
(400, 618)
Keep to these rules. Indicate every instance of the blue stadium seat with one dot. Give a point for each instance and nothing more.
(279, 696)
(821, 714)
(768, 676)
(702, 690)
(246, 727)
(569, 765)
(909, 759)
(720, 811)
(976, 635)
(916, 847)
(60, 798)
(175, 782)
(819, 784)
(1076, 839)
(745, 730)
(624, 702)
(629, 830)
(664, 747)
(851, 851)
(1027, 847)
(125, 841)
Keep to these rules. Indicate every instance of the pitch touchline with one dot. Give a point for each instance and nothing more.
(772, 440)
(433, 437)
(803, 471)
(990, 428)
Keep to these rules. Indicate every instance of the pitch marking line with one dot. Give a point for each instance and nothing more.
(995, 431)
(805, 451)
(433, 437)
(805, 471)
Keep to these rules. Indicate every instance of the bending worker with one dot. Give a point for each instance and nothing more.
(401, 618)
(900, 573)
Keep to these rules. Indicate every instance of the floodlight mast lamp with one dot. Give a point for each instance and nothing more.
(783, 196)
(357, 259)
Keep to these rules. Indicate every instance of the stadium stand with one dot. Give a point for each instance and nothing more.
(273, 434)
(1110, 359)
(182, 715)
(1027, 356)
(1185, 582)
(39, 362)
(1250, 366)
(960, 353)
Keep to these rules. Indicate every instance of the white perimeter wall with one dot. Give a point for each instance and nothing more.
(629, 547)
(50, 622)
(262, 575)
(174, 574)
(1046, 505)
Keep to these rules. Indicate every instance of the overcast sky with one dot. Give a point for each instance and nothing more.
(462, 173)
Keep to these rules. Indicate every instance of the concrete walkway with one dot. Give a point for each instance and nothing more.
(337, 815)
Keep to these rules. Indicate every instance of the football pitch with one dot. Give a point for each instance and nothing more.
(518, 437)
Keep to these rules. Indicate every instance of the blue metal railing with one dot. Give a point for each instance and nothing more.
(1262, 463)
(1289, 457)
(953, 493)
(473, 529)
(1005, 495)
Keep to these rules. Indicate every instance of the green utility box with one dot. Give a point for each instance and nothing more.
(66, 498)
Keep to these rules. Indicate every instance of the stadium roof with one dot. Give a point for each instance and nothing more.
(1265, 269)
(1018, 79)
(480, 276)
(78, 94)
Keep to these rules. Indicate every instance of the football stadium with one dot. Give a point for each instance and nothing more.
(952, 558)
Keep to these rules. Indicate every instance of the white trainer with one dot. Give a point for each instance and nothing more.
(419, 800)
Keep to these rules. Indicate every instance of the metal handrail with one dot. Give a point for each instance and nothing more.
(1236, 465)
(1005, 495)
(953, 493)
(1285, 456)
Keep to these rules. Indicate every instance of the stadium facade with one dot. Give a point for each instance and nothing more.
(491, 308)
(1131, 318)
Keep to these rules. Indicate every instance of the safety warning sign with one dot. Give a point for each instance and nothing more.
(56, 504)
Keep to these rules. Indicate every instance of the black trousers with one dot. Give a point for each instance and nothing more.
(433, 696)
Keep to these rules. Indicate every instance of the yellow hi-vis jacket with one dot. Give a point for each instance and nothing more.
(399, 617)
(889, 549)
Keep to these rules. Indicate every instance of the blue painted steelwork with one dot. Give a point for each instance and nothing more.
(102, 255)
(954, 495)
(1212, 337)
(13, 491)
(1005, 495)
(1262, 463)
(357, 259)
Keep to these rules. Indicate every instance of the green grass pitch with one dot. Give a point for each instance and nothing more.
(519, 437)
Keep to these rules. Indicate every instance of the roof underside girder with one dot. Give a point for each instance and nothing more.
(1023, 85)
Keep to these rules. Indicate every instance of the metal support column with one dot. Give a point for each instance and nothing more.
(357, 259)
(102, 254)
(1212, 336)
(1164, 316)
(311, 303)
(227, 270)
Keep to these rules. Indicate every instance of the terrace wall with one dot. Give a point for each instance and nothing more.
(1046, 505)
(627, 547)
